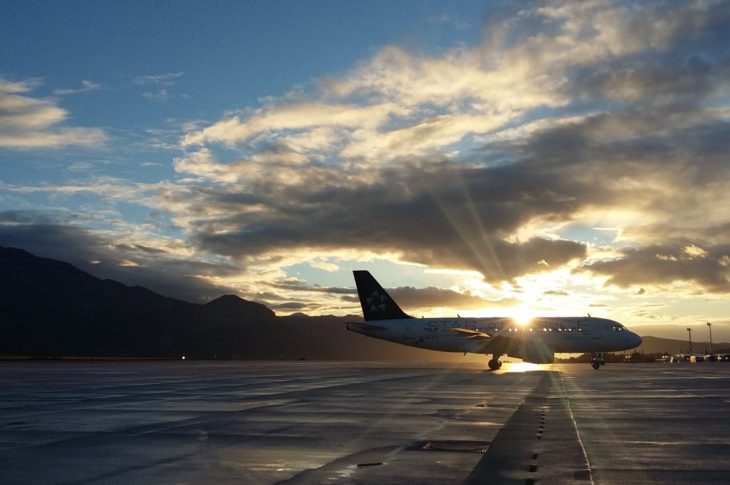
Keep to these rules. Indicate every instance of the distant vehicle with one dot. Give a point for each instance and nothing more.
(536, 341)
(694, 358)
(597, 360)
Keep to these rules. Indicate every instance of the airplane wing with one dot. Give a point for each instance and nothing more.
(471, 334)
(507, 344)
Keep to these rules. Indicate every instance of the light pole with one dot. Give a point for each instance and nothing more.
(709, 327)
(689, 331)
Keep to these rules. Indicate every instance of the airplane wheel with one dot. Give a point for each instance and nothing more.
(495, 364)
(596, 365)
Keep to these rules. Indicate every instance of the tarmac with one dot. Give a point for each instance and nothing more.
(345, 422)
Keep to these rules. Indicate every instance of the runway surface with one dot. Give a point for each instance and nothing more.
(344, 422)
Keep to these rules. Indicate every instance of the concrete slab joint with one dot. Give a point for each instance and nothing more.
(538, 444)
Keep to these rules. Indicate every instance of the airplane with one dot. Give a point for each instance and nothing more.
(536, 341)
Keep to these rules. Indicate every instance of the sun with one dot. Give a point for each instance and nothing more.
(523, 315)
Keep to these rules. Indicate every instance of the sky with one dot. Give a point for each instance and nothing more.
(479, 158)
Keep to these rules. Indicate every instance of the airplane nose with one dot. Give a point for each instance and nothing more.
(635, 340)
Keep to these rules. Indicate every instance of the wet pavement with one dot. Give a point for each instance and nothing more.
(343, 422)
(653, 423)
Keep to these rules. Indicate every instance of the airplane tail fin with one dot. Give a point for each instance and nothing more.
(375, 301)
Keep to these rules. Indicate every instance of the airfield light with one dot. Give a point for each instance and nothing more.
(689, 331)
(709, 327)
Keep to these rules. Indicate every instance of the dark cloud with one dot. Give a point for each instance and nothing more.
(406, 296)
(441, 214)
(669, 164)
(101, 256)
(269, 296)
(294, 284)
(665, 53)
(292, 305)
(636, 142)
(431, 297)
(638, 82)
(669, 161)
(447, 214)
(663, 264)
(692, 26)
(648, 129)
(652, 82)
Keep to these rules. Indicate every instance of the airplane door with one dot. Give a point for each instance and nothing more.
(595, 330)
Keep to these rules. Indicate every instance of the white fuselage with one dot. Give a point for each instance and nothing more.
(535, 341)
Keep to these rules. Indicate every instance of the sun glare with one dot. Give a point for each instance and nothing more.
(522, 316)
(523, 367)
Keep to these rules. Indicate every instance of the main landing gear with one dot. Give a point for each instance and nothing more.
(597, 360)
(495, 363)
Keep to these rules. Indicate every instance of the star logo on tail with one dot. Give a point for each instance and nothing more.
(377, 302)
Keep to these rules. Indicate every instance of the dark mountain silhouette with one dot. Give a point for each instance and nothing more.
(52, 309)
(656, 345)
(49, 308)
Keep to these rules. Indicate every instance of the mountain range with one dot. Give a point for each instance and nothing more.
(49, 308)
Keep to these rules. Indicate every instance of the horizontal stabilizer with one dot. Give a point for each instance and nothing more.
(368, 329)
(366, 326)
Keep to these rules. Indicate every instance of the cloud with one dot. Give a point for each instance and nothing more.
(27, 122)
(107, 188)
(293, 117)
(294, 284)
(161, 83)
(165, 266)
(86, 86)
(444, 215)
(708, 268)
(592, 114)
(477, 157)
(406, 106)
(431, 297)
(159, 96)
(408, 297)
(655, 81)
(291, 306)
(164, 79)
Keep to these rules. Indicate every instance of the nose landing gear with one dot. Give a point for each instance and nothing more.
(597, 360)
